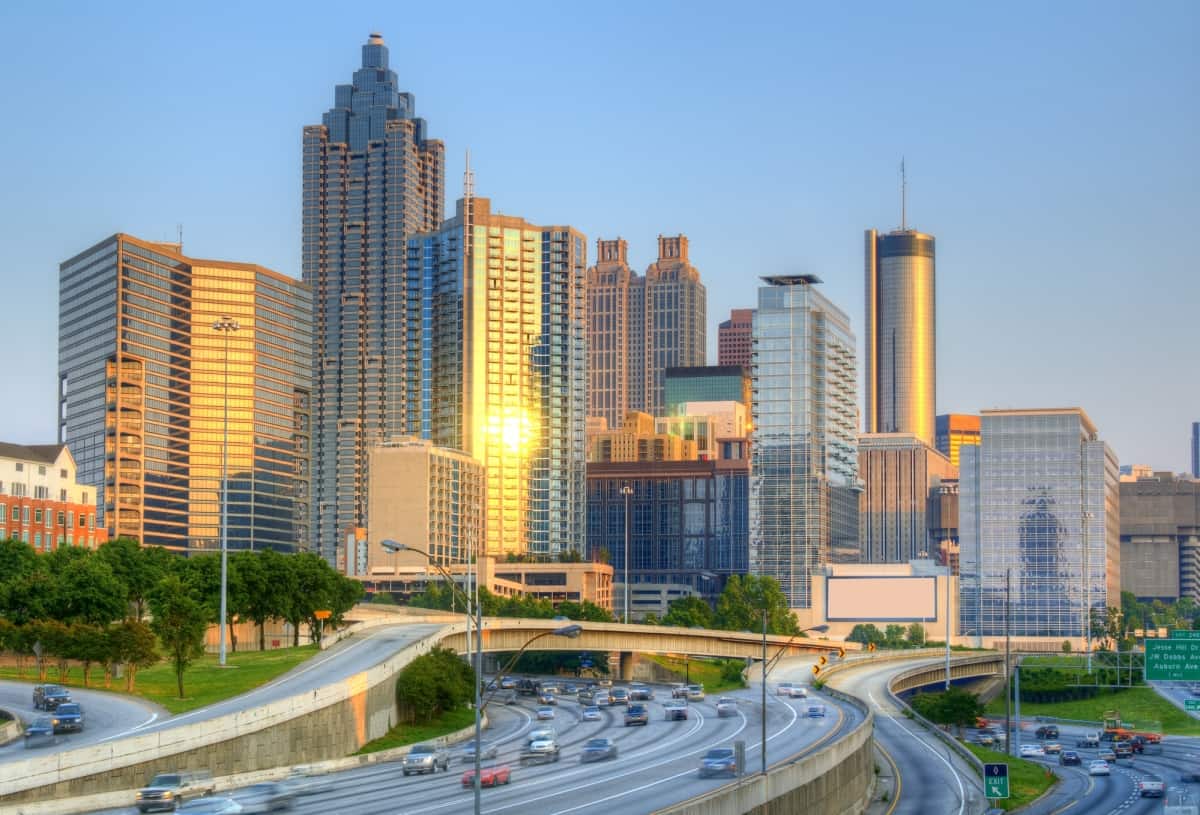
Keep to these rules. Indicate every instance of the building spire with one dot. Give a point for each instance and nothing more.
(903, 197)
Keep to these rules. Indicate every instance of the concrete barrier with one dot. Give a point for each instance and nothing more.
(328, 722)
(835, 780)
(11, 729)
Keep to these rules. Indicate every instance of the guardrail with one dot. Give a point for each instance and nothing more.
(945, 738)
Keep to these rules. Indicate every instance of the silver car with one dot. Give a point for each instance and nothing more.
(487, 750)
(425, 758)
(726, 706)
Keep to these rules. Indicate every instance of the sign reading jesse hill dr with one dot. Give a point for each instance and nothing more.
(1173, 660)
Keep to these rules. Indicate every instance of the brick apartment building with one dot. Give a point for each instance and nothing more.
(40, 501)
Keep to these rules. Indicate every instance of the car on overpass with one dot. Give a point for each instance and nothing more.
(41, 731)
(49, 697)
(68, 718)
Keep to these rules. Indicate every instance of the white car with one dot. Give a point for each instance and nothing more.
(1099, 768)
(1032, 751)
(592, 714)
(544, 713)
(783, 689)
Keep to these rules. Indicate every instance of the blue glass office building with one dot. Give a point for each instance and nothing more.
(804, 482)
(1038, 499)
(372, 177)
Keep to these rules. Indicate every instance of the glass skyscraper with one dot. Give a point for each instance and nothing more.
(804, 474)
(1037, 498)
(372, 178)
(497, 354)
(640, 326)
(901, 339)
(142, 387)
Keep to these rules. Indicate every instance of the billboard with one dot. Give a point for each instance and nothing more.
(887, 599)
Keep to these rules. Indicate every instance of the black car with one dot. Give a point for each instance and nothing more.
(48, 697)
(68, 718)
(598, 750)
(1047, 731)
(41, 731)
(1069, 757)
(265, 797)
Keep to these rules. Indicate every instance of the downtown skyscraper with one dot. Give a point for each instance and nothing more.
(640, 326)
(804, 460)
(372, 178)
(496, 356)
(901, 340)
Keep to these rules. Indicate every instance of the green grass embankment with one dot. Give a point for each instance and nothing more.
(1026, 779)
(404, 734)
(1141, 706)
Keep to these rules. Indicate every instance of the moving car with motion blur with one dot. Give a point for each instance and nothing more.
(212, 806)
(40, 732)
(488, 776)
(542, 748)
(425, 758)
(598, 750)
(592, 713)
(305, 779)
(718, 761)
(640, 693)
(726, 706)
(265, 797)
(545, 713)
(487, 750)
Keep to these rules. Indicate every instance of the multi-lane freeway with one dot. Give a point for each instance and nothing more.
(657, 765)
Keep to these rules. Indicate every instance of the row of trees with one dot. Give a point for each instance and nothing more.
(439, 595)
(892, 636)
(739, 608)
(89, 606)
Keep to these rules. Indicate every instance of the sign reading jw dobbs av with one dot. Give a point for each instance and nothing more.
(1173, 660)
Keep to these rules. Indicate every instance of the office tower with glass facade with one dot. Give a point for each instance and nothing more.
(1038, 499)
(705, 383)
(899, 472)
(734, 338)
(372, 177)
(640, 326)
(900, 349)
(143, 379)
(953, 431)
(804, 474)
(496, 359)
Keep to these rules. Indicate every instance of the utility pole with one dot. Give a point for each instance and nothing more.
(764, 689)
(1007, 680)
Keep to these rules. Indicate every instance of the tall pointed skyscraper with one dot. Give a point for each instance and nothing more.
(901, 332)
(371, 178)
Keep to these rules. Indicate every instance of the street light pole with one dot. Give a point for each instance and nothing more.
(627, 491)
(1007, 680)
(764, 690)
(947, 628)
(226, 325)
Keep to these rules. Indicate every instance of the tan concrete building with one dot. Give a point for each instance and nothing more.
(898, 471)
(637, 440)
(425, 496)
(883, 594)
(1160, 537)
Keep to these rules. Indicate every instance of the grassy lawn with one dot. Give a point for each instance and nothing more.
(1026, 780)
(1140, 706)
(404, 734)
(704, 671)
(204, 682)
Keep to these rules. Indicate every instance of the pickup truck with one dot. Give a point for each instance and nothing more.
(1151, 789)
(166, 791)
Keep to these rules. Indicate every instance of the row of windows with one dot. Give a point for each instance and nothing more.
(21, 514)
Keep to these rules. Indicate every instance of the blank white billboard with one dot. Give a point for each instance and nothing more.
(891, 599)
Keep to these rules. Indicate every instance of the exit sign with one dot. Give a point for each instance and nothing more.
(995, 777)
(1191, 704)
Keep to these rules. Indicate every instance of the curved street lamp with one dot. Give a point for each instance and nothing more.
(226, 325)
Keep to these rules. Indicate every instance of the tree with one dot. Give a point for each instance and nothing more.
(866, 633)
(180, 621)
(383, 598)
(262, 596)
(893, 636)
(688, 612)
(1066, 646)
(915, 635)
(740, 606)
(586, 611)
(132, 643)
(87, 591)
(570, 556)
(954, 706)
(138, 567)
(432, 684)
(88, 645)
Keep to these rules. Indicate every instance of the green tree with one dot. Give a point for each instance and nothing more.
(131, 643)
(432, 684)
(262, 598)
(383, 598)
(915, 635)
(570, 556)
(866, 633)
(139, 568)
(740, 606)
(893, 636)
(180, 621)
(88, 645)
(87, 591)
(1066, 646)
(954, 706)
(688, 612)
(586, 611)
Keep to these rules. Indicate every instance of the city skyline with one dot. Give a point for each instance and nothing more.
(1053, 165)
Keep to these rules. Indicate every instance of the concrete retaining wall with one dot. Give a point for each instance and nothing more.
(10, 729)
(835, 780)
(330, 722)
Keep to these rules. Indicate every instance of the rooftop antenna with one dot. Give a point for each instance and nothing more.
(179, 232)
(468, 179)
(903, 197)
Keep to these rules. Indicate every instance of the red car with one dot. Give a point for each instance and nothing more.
(488, 776)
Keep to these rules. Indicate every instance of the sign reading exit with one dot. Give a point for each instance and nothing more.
(995, 778)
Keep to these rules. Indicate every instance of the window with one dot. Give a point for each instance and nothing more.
(37, 516)
(37, 540)
(85, 498)
(62, 473)
(49, 522)
(20, 466)
(16, 513)
(25, 515)
(62, 518)
(70, 519)
(62, 496)
(82, 522)
(41, 470)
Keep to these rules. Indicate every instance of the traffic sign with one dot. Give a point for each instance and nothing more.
(995, 780)
(1173, 660)
(1191, 704)
(1184, 634)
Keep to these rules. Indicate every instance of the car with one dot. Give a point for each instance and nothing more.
(1088, 740)
(587, 696)
(545, 713)
(798, 692)
(718, 761)
(560, 619)
(816, 711)
(1150, 788)
(167, 790)
(486, 750)
(1106, 755)
(604, 683)
(268, 796)
(48, 697)
(1123, 749)
(543, 732)
(425, 758)
(1047, 731)
(618, 696)
(304, 779)
(591, 713)
(507, 697)
(570, 689)
(726, 706)
(40, 731)
(1032, 751)
(676, 711)
(547, 699)
(695, 693)
(601, 698)
(679, 691)
(985, 739)
(68, 718)
(783, 689)
(488, 776)
(540, 749)
(1052, 748)
(637, 713)
(213, 806)
(598, 750)
(1099, 768)
(640, 693)
(1069, 757)
(508, 683)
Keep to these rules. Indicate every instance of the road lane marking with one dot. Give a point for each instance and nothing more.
(896, 771)
(962, 793)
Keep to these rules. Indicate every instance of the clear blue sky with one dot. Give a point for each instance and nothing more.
(1052, 148)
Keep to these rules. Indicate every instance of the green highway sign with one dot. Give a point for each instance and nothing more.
(1173, 660)
(1191, 704)
(995, 779)
(1184, 634)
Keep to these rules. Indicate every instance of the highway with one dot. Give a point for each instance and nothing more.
(106, 715)
(656, 766)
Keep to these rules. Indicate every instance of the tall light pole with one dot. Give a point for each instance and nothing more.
(627, 491)
(226, 325)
